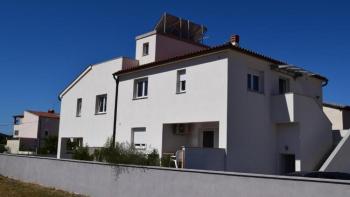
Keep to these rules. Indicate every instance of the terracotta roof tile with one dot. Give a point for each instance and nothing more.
(207, 51)
(45, 114)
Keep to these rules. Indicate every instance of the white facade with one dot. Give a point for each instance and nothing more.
(31, 129)
(93, 127)
(339, 116)
(257, 118)
(248, 126)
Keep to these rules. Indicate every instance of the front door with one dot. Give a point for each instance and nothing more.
(288, 163)
(208, 139)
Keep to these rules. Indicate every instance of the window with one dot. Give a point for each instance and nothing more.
(138, 138)
(145, 49)
(16, 132)
(181, 81)
(18, 120)
(101, 104)
(283, 85)
(141, 88)
(79, 104)
(255, 82)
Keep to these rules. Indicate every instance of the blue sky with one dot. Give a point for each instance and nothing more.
(45, 44)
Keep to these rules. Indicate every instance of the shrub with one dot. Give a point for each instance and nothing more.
(166, 161)
(2, 148)
(82, 153)
(50, 145)
(123, 153)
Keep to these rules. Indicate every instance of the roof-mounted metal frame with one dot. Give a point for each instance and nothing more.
(181, 28)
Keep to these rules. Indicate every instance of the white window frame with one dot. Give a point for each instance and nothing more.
(144, 85)
(251, 76)
(145, 49)
(79, 107)
(104, 104)
(181, 77)
(138, 145)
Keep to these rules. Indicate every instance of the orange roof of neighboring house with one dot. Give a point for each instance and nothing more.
(45, 114)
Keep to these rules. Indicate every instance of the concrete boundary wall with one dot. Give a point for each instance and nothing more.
(101, 179)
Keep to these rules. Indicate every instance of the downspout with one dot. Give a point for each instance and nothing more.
(325, 83)
(116, 78)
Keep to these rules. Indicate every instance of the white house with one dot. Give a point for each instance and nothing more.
(221, 108)
(31, 129)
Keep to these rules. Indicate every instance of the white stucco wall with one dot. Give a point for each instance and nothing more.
(162, 47)
(205, 99)
(95, 129)
(335, 116)
(29, 126)
(252, 132)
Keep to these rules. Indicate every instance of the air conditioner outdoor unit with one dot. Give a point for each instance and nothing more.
(181, 129)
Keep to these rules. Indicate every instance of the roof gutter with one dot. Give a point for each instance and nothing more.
(116, 78)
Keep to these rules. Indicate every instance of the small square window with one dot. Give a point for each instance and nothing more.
(141, 88)
(145, 49)
(181, 81)
(283, 85)
(101, 104)
(16, 132)
(79, 105)
(255, 82)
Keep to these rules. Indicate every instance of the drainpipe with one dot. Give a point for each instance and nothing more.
(325, 83)
(116, 78)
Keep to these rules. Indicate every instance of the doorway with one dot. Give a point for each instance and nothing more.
(287, 163)
(208, 139)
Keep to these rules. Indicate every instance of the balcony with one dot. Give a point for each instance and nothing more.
(283, 108)
(195, 145)
(291, 107)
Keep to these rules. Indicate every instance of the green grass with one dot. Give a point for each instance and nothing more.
(13, 188)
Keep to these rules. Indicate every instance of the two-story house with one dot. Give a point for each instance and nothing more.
(31, 129)
(223, 107)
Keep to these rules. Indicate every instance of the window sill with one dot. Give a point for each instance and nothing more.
(101, 113)
(140, 98)
(183, 92)
(256, 92)
(78, 116)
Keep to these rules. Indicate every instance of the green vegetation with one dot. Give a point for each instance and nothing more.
(13, 188)
(49, 146)
(2, 148)
(82, 153)
(121, 153)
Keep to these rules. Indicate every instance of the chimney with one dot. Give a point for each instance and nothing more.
(51, 111)
(234, 40)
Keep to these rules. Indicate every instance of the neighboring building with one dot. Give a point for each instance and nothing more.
(224, 107)
(31, 129)
(339, 115)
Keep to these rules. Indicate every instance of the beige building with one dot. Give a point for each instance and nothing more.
(339, 115)
(31, 129)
